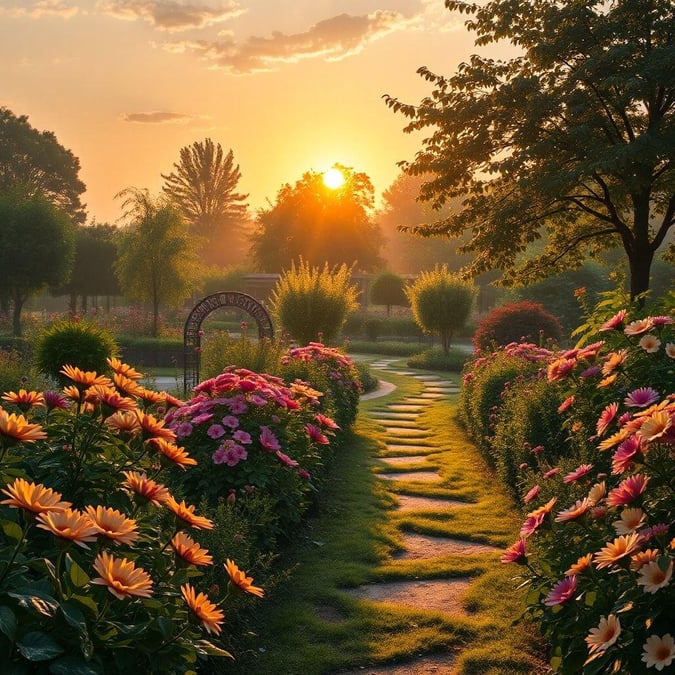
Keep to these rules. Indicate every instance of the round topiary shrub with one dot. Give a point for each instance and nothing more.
(75, 343)
(516, 322)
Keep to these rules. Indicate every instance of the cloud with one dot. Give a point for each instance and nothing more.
(172, 15)
(156, 117)
(332, 39)
(36, 10)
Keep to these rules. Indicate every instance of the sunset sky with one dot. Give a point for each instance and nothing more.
(288, 85)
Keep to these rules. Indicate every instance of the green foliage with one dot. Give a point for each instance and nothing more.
(38, 244)
(441, 303)
(75, 343)
(157, 261)
(570, 138)
(368, 381)
(35, 162)
(231, 279)
(437, 359)
(388, 289)
(313, 222)
(368, 324)
(516, 322)
(203, 186)
(312, 304)
(12, 370)
(220, 351)
(384, 348)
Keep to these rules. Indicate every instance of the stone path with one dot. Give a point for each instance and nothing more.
(409, 456)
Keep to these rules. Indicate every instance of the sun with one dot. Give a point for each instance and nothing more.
(333, 178)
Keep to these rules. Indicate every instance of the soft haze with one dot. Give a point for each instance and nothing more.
(289, 85)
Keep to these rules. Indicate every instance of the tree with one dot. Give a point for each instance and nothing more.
(441, 303)
(574, 136)
(35, 162)
(388, 289)
(319, 224)
(38, 244)
(203, 186)
(93, 270)
(156, 258)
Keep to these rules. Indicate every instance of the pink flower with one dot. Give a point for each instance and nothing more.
(257, 400)
(575, 511)
(566, 404)
(515, 553)
(54, 400)
(304, 474)
(622, 460)
(268, 440)
(537, 449)
(285, 459)
(650, 343)
(325, 421)
(559, 368)
(606, 417)
(590, 372)
(628, 490)
(532, 493)
(578, 473)
(219, 455)
(183, 430)
(641, 398)
(562, 591)
(315, 434)
(242, 436)
(663, 320)
(552, 472)
(204, 417)
(615, 322)
(215, 431)
(237, 405)
(230, 421)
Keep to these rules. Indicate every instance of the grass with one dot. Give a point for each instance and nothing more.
(312, 625)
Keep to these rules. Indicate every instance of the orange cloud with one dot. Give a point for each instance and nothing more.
(156, 117)
(41, 8)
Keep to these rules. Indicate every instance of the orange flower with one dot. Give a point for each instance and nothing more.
(126, 384)
(121, 368)
(575, 511)
(656, 426)
(122, 577)
(69, 524)
(154, 428)
(605, 635)
(151, 397)
(173, 453)
(108, 396)
(25, 399)
(124, 422)
(187, 514)
(580, 565)
(614, 360)
(113, 524)
(208, 613)
(18, 430)
(189, 550)
(33, 497)
(641, 558)
(622, 546)
(84, 378)
(146, 487)
(72, 392)
(613, 440)
(239, 580)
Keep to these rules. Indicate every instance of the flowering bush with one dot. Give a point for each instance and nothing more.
(98, 561)
(597, 545)
(250, 431)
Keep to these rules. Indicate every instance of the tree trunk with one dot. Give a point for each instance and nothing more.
(155, 320)
(72, 304)
(640, 252)
(640, 263)
(16, 316)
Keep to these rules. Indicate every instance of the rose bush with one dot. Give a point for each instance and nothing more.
(99, 562)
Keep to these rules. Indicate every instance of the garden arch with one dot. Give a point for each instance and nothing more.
(192, 335)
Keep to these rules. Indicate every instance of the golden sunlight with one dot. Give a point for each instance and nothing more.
(333, 178)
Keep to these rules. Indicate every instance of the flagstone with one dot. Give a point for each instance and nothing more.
(410, 448)
(405, 459)
(421, 546)
(419, 503)
(413, 476)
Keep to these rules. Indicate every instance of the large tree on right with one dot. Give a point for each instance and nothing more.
(571, 141)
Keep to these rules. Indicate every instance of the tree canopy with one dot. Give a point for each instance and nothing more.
(35, 162)
(203, 185)
(38, 244)
(319, 224)
(571, 140)
(156, 262)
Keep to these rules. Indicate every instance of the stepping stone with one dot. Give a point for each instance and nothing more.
(407, 432)
(402, 407)
(432, 395)
(383, 389)
(441, 595)
(416, 503)
(417, 400)
(402, 372)
(413, 476)
(442, 390)
(406, 459)
(427, 378)
(435, 664)
(394, 415)
(422, 546)
(401, 424)
(411, 449)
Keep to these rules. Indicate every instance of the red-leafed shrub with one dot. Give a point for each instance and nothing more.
(516, 322)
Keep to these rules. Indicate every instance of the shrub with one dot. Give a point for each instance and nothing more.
(313, 304)
(368, 381)
(516, 322)
(441, 303)
(126, 603)
(388, 289)
(12, 370)
(436, 359)
(76, 343)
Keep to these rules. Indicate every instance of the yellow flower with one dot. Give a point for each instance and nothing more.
(69, 524)
(33, 497)
(122, 577)
(189, 550)
(113, 524)
(208, 613)
(16, 429)
(239, 580)
(619, 548)
(25, 399)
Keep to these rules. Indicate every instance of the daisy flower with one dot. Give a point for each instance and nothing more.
(615, 322)
(573, 512)
(656, 425)
(173, 453)
(146, 488)
(562, 591)
(630, 521)
(578, 473)
(122, 577)
(642, 397)
(33, 497)
(113, 524)
(16, 429)
(628, 490)
(189, 550)
(639, 326)
(670, 349)
(583, 563)
(531, 494)
(641, 558)
(187, 515)
(621, 547)
(606, 417)
(650, 343)
(69, 524)
(515, 553)
(659, 651)
(652, 577)
(207, 612)
(605, 635)
(24, 399)
(629, 450)
(239, 580)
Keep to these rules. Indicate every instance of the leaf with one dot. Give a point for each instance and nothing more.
(74, 617)
(78, 577)
(12, 530)
(42, 602)
(7, 622)
(209, 648)
(38, 646)
(72, 665)
(86, 602)
(165, 626)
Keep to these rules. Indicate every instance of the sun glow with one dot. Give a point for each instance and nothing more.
(333, 178)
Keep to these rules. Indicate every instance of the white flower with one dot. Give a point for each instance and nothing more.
(659, 651)
(650, 343)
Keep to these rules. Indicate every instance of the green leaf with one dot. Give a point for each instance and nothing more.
(78, 577)
(74, 616)
(165, 626)
(86, 602)
(38, 646)
(590, 598)
(72, 665)
(12, 530)
(7, 622)
(41, 602)
(206, 647)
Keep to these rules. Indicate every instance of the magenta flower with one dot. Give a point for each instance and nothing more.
(285, 459)
(622, 460)
(590, 372)
(230, 421)
(531, 494)
(562, 591)
(183, 430)
(628, 490)
(641, 398)
(606, 417)
(615, 322)
(219, 455)
(663, 320)
(215, 431)
(325, 421)
(315, 434)
(54, 400)
(515, 553)
(242, 436)
(578, 473)
(304, 474)
(268, 440)
(200, 419)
